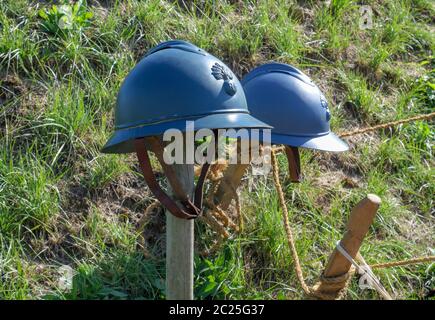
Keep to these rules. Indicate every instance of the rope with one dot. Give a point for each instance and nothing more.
(238, 206)
(387, 125)
(215, 224)
(341, 283)
(278, 149)
(374, 128)
(337, 286)
(402, 262)
(239, 211)
(216, 210)
(288, 230)
(215, 216)
(210, 217)
(333, 284)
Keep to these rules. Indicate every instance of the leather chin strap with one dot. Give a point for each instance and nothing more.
(188, 209)
(294, 163)
(199, 190)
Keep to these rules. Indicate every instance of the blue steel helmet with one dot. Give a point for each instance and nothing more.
(288, 100)
(175, 82)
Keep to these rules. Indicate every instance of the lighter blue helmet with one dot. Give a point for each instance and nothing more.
(175, 82)
(288, 100)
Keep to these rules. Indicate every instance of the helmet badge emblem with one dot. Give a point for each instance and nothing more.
(220, 73)
(324, 105)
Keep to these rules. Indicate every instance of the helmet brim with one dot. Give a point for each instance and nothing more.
(329, 142)
(122, 140)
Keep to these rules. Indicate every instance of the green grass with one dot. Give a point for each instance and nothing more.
(64, 203)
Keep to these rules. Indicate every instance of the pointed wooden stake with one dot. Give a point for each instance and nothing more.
(230, 181)
(358, 225)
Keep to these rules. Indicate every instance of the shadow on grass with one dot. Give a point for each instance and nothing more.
(132, 276)
(118, 276)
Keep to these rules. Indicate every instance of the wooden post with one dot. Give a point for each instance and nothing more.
(179, 244)
(230, 181)
(360, 219)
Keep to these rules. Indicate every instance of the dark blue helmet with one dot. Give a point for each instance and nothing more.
(177, 81)
(288, 100)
